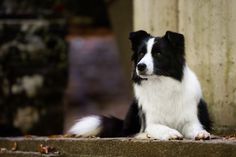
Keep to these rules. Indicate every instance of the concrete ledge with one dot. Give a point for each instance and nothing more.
(125, 147)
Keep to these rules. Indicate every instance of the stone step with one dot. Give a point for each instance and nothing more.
(25, 154)
(115, 147)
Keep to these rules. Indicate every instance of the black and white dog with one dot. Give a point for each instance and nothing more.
(168, 99)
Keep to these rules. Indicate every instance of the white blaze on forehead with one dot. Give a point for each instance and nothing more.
(150, 45)
(147, 59)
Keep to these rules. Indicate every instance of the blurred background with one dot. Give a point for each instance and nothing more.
(63, 59)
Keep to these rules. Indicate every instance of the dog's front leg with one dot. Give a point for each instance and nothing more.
(194, 130)
(161, 132)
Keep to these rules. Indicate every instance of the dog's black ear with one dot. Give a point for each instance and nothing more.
(137, 37)
(176, 39)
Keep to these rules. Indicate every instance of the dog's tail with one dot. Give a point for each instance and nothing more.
(98, 126)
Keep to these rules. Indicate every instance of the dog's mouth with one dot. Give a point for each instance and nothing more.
(144, 75)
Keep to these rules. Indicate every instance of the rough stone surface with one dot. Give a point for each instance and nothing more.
(71, 147)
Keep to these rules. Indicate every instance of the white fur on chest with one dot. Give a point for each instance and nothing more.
(167, 101)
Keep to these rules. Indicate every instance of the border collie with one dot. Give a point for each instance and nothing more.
(168, 101)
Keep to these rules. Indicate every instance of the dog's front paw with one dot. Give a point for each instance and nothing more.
(171, 134)
(167, 134)
(202, 135)
(162, 132)
(142, 135)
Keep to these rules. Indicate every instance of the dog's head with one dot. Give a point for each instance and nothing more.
(157, 56)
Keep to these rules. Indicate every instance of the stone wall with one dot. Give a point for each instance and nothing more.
(209, 29)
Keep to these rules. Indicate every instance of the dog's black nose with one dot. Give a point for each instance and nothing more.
(141, 67)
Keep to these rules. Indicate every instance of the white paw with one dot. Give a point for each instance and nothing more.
(167, 134)
(162, 132)
(171, 134)
(143, 135)
(202, 135)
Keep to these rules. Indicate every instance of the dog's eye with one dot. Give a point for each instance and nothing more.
(141, 54)
(157, 54)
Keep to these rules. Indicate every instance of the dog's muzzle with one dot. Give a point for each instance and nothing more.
(142, 68)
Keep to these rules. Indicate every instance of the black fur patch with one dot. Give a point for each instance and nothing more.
(137, 38)
(169, 56)
(132, 122)
(203, 115)
(112, 127)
